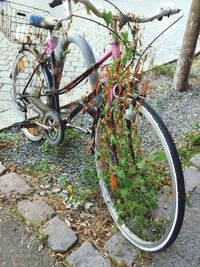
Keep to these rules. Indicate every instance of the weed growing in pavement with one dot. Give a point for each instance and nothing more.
(89, 174)
(89, 180)
(43, 238)
(188, 199)
(190, 146)
(143, 259)
(33, 226)
(62, 181)
(115, 263)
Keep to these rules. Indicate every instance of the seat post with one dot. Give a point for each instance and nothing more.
(51, 48)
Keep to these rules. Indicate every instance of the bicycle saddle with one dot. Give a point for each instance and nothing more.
(44, 22)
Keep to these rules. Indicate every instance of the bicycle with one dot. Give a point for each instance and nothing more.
(134, 151)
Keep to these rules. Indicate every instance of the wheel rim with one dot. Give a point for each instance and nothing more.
(55, 132)
(25, 65)
(168, 200)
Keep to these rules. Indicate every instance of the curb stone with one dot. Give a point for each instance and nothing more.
(121, 250)
(87, 256)
(2, 168)
(192, 178)
(60, 237)
(195, 161)
(12, 182)
(35, 211)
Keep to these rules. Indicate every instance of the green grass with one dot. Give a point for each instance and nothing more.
(12, 138)
(167, 70)
(88, 177)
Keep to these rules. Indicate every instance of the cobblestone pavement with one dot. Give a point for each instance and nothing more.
(74, 65)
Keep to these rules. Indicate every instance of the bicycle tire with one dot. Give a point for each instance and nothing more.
(144, 238)
(23, 67)
(55, 134)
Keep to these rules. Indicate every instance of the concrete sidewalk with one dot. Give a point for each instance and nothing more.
(7, 107)
(74, 65)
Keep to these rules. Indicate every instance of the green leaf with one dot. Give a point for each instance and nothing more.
(107, 16)
(88, 10)
(121, 174)
(112, 70)
(112, 140)
(141, 165)
(124, 36)
(123, 162)
(160, 156)
(126, 57)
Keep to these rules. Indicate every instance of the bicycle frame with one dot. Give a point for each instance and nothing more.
(57, 62)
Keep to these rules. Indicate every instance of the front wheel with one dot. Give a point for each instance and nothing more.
(140, 176)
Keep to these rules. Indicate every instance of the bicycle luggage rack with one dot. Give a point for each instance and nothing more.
(14, 23)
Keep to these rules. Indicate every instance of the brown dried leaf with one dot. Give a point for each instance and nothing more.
(5, 144)
(40, 248)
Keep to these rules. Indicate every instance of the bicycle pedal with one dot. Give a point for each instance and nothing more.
(89, 130)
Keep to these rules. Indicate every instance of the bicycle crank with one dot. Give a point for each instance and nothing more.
(54, 130)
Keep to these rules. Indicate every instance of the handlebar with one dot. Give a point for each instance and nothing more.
(121, 19)
(164, 12)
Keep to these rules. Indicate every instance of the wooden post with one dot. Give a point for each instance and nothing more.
(188, 47)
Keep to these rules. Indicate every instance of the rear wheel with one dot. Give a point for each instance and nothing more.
(140, 176)
(25, 67)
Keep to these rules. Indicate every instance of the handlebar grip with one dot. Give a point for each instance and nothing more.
(167, 11)
(174, 11)
(55, 3)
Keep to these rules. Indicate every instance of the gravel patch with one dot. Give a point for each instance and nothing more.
(67, 160)
(179, 110)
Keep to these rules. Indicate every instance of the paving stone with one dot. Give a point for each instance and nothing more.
(2, 168)
(192, 178)
(12, 182)
(195, 161)
(6, 81)
(60, 237)
(87, 256)
(6, 88)
(7, 118)
(4, 74)
(121, 250)
(4, 67)
(35, 211)
(6, 106)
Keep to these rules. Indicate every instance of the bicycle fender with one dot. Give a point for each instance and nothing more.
(85, 48)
